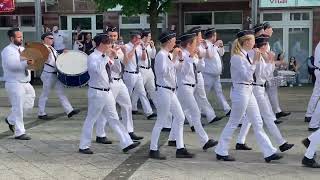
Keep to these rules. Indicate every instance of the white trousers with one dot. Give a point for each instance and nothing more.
(214, 81)
(121, 96)
(244, 102)
(315, 119)
(149, 85)
(49, 81)
(267, 116)
(167, 103)
(102, 103)
(314, 99)
(314, 142)
(135, 82)
(21, 97)
(273, 96)
(189, 106)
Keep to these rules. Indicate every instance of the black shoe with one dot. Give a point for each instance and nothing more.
(156, 155)
(11, 127)
(172, 143)
(307, 119)
(165, 129)
(310, 163)
(239, 125)
(45, 117)
(228, 114)
(282, 114)
(313, 129)
(211, 143)
(278, 122)
(284, 147)
(135, 112)
(152, 116)
(215, 119)
(132, 146)
(23, 137)
(85, 151)
(225, 158)
(73, 112)
(192, 129)
(243, 147)
(183, 153)
(135, 137)
(103, 140)
(273, 157)
(306, 142)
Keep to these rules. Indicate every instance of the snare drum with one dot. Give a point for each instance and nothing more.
(72, 68)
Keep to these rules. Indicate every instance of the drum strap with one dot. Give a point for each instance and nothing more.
(55, 57)
(149, 62)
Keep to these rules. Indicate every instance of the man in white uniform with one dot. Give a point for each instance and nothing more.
(59, 39)
(132, 76)
(311, 143)
(17, 77)
(100, 98)
(49, 79)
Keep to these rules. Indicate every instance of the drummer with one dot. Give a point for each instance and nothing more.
(50, 80)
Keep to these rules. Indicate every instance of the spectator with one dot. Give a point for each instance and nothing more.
(59, 39)
(281, 63)
(293, 66)
(89, 44)
(77, 45)
(80, 36)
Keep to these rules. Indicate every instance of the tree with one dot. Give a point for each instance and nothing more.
(135, 7)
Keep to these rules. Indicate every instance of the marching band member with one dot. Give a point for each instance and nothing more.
(243, 101)
(120, 93)
(311, 143)
(167, 101)
(132, 76)
(100, 98)
(49, 79)
(17, 77)
(264, 68)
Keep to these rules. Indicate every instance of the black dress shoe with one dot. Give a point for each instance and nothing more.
(23, 137)
(228, 114)
(103, 140)
(284, 147)
(273, 157)
(85, 151)
(307, 119)
(215, 119)
(152, 116)
(313, 129)
(310, 163)
(225, 158)
(132, 146)
(73, 112)
(243, 147)
(166, 129)
(239, 125)
(211, 143)
(183, 153)
(156, 155)
(11, 127)
(135, 137)
(45, 117)
(192, 129)
(135, 112)
(306, 142)
(278, 122)
(172, 143)
(282, 114)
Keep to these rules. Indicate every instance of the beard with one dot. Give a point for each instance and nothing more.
(18, 43)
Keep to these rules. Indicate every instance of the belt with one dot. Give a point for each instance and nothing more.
(166, 87)
(117, 79)
(192, 85)
(246, 84)
(198, 71)
(144, 67)
(101, 89)
(50, 72)
(261, 85)
(132, 72)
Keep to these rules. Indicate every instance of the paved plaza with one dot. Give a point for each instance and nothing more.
(53, 151)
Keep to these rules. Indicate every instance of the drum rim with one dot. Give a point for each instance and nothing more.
(72, 74)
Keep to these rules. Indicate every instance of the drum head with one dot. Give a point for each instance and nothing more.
(72, 62)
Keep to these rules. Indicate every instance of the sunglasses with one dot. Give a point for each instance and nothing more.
(50, 38)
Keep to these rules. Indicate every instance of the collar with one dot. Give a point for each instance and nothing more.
(99, 53)
(186, 52)
(244, 52)
(15, 46)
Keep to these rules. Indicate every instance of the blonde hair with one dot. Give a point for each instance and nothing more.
(238, 43)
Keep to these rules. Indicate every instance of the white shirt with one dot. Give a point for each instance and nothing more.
(116, 68)
(165, 69)
(14, 68)
(50, 64)
(97, 70)
(213, 60)
(131, 66)
(241, 70)
(263, 71)
(58, 40)
(151, 55)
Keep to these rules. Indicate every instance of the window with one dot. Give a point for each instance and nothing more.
(228, 17)
(84, 23)
(131, 20)
(299, 16)
(63, 23)
(8, 21)
(160, 19)
(272, 17)
(27, 21)
(99, 21)
(198, 18)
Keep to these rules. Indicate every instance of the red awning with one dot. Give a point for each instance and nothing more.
(7, 6)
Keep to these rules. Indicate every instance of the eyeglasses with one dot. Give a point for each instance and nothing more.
(50, 38)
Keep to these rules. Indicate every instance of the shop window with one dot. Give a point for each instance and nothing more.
(272, 17)
(198, 18)
(228, 18)
(99, 21)
(299, 16)
(63, 23)
(28, 21)
(8, 21)
(84, 23)
(130, 20)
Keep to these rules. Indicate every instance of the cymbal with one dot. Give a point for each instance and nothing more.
(37, 52)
